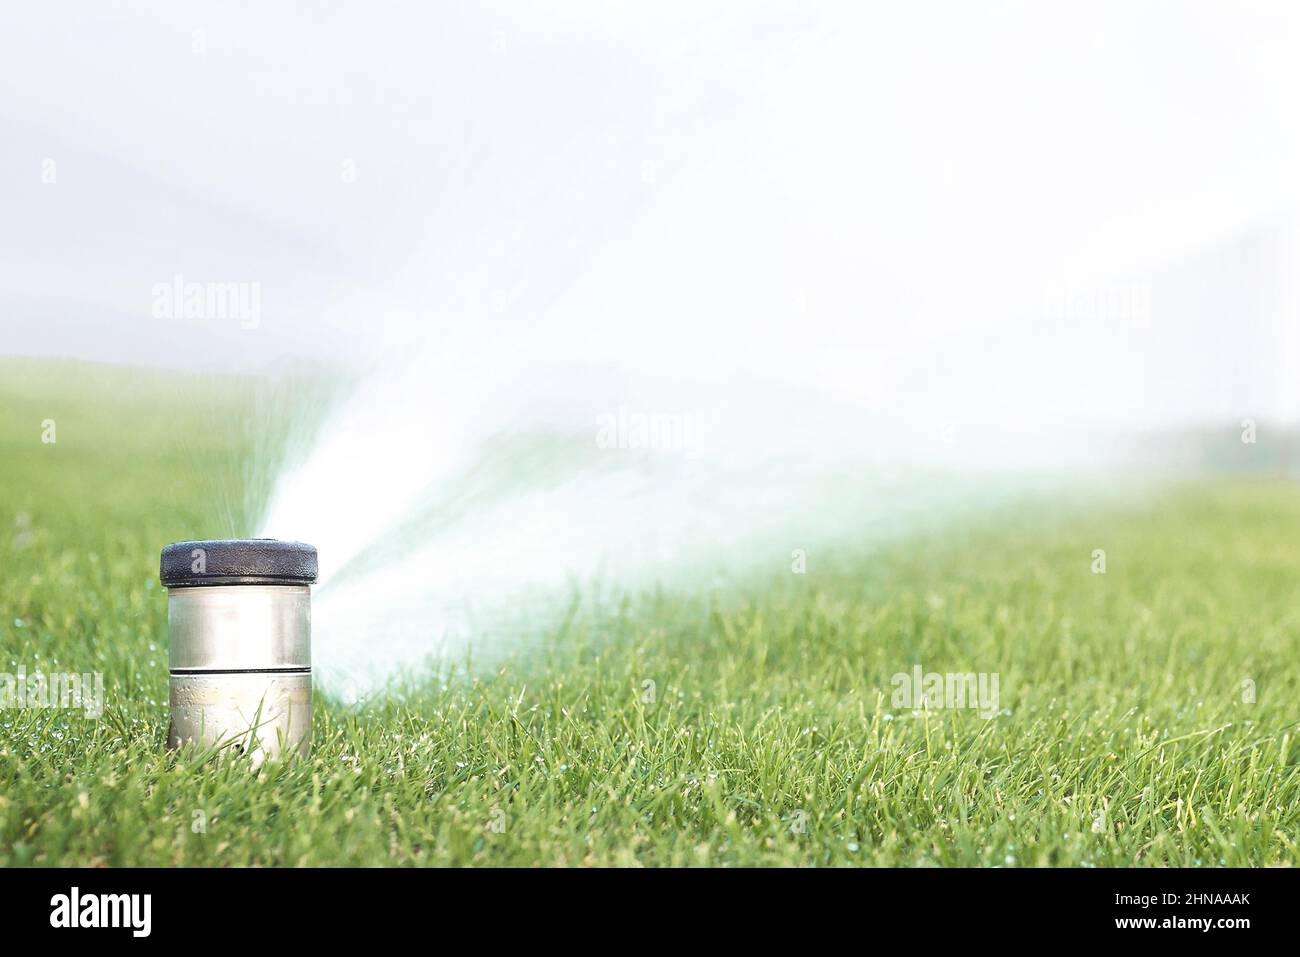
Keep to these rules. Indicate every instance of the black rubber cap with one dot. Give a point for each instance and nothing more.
(233, 561)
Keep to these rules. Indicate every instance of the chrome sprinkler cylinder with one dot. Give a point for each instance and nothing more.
(239, 621)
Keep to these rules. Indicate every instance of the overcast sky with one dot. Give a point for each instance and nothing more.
(845, 196)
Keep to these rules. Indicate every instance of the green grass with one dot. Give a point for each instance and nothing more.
(771, 737)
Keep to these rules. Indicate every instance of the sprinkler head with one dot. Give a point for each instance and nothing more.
(239, 625)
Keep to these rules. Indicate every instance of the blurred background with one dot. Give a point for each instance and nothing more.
(505, 297)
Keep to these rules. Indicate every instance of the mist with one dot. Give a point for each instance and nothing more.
(663, 293)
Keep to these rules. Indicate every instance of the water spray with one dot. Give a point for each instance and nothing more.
(239, 623)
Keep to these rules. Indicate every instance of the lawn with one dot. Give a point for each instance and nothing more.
(1146, 715)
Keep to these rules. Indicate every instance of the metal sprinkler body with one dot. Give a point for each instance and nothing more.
(239, 622)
